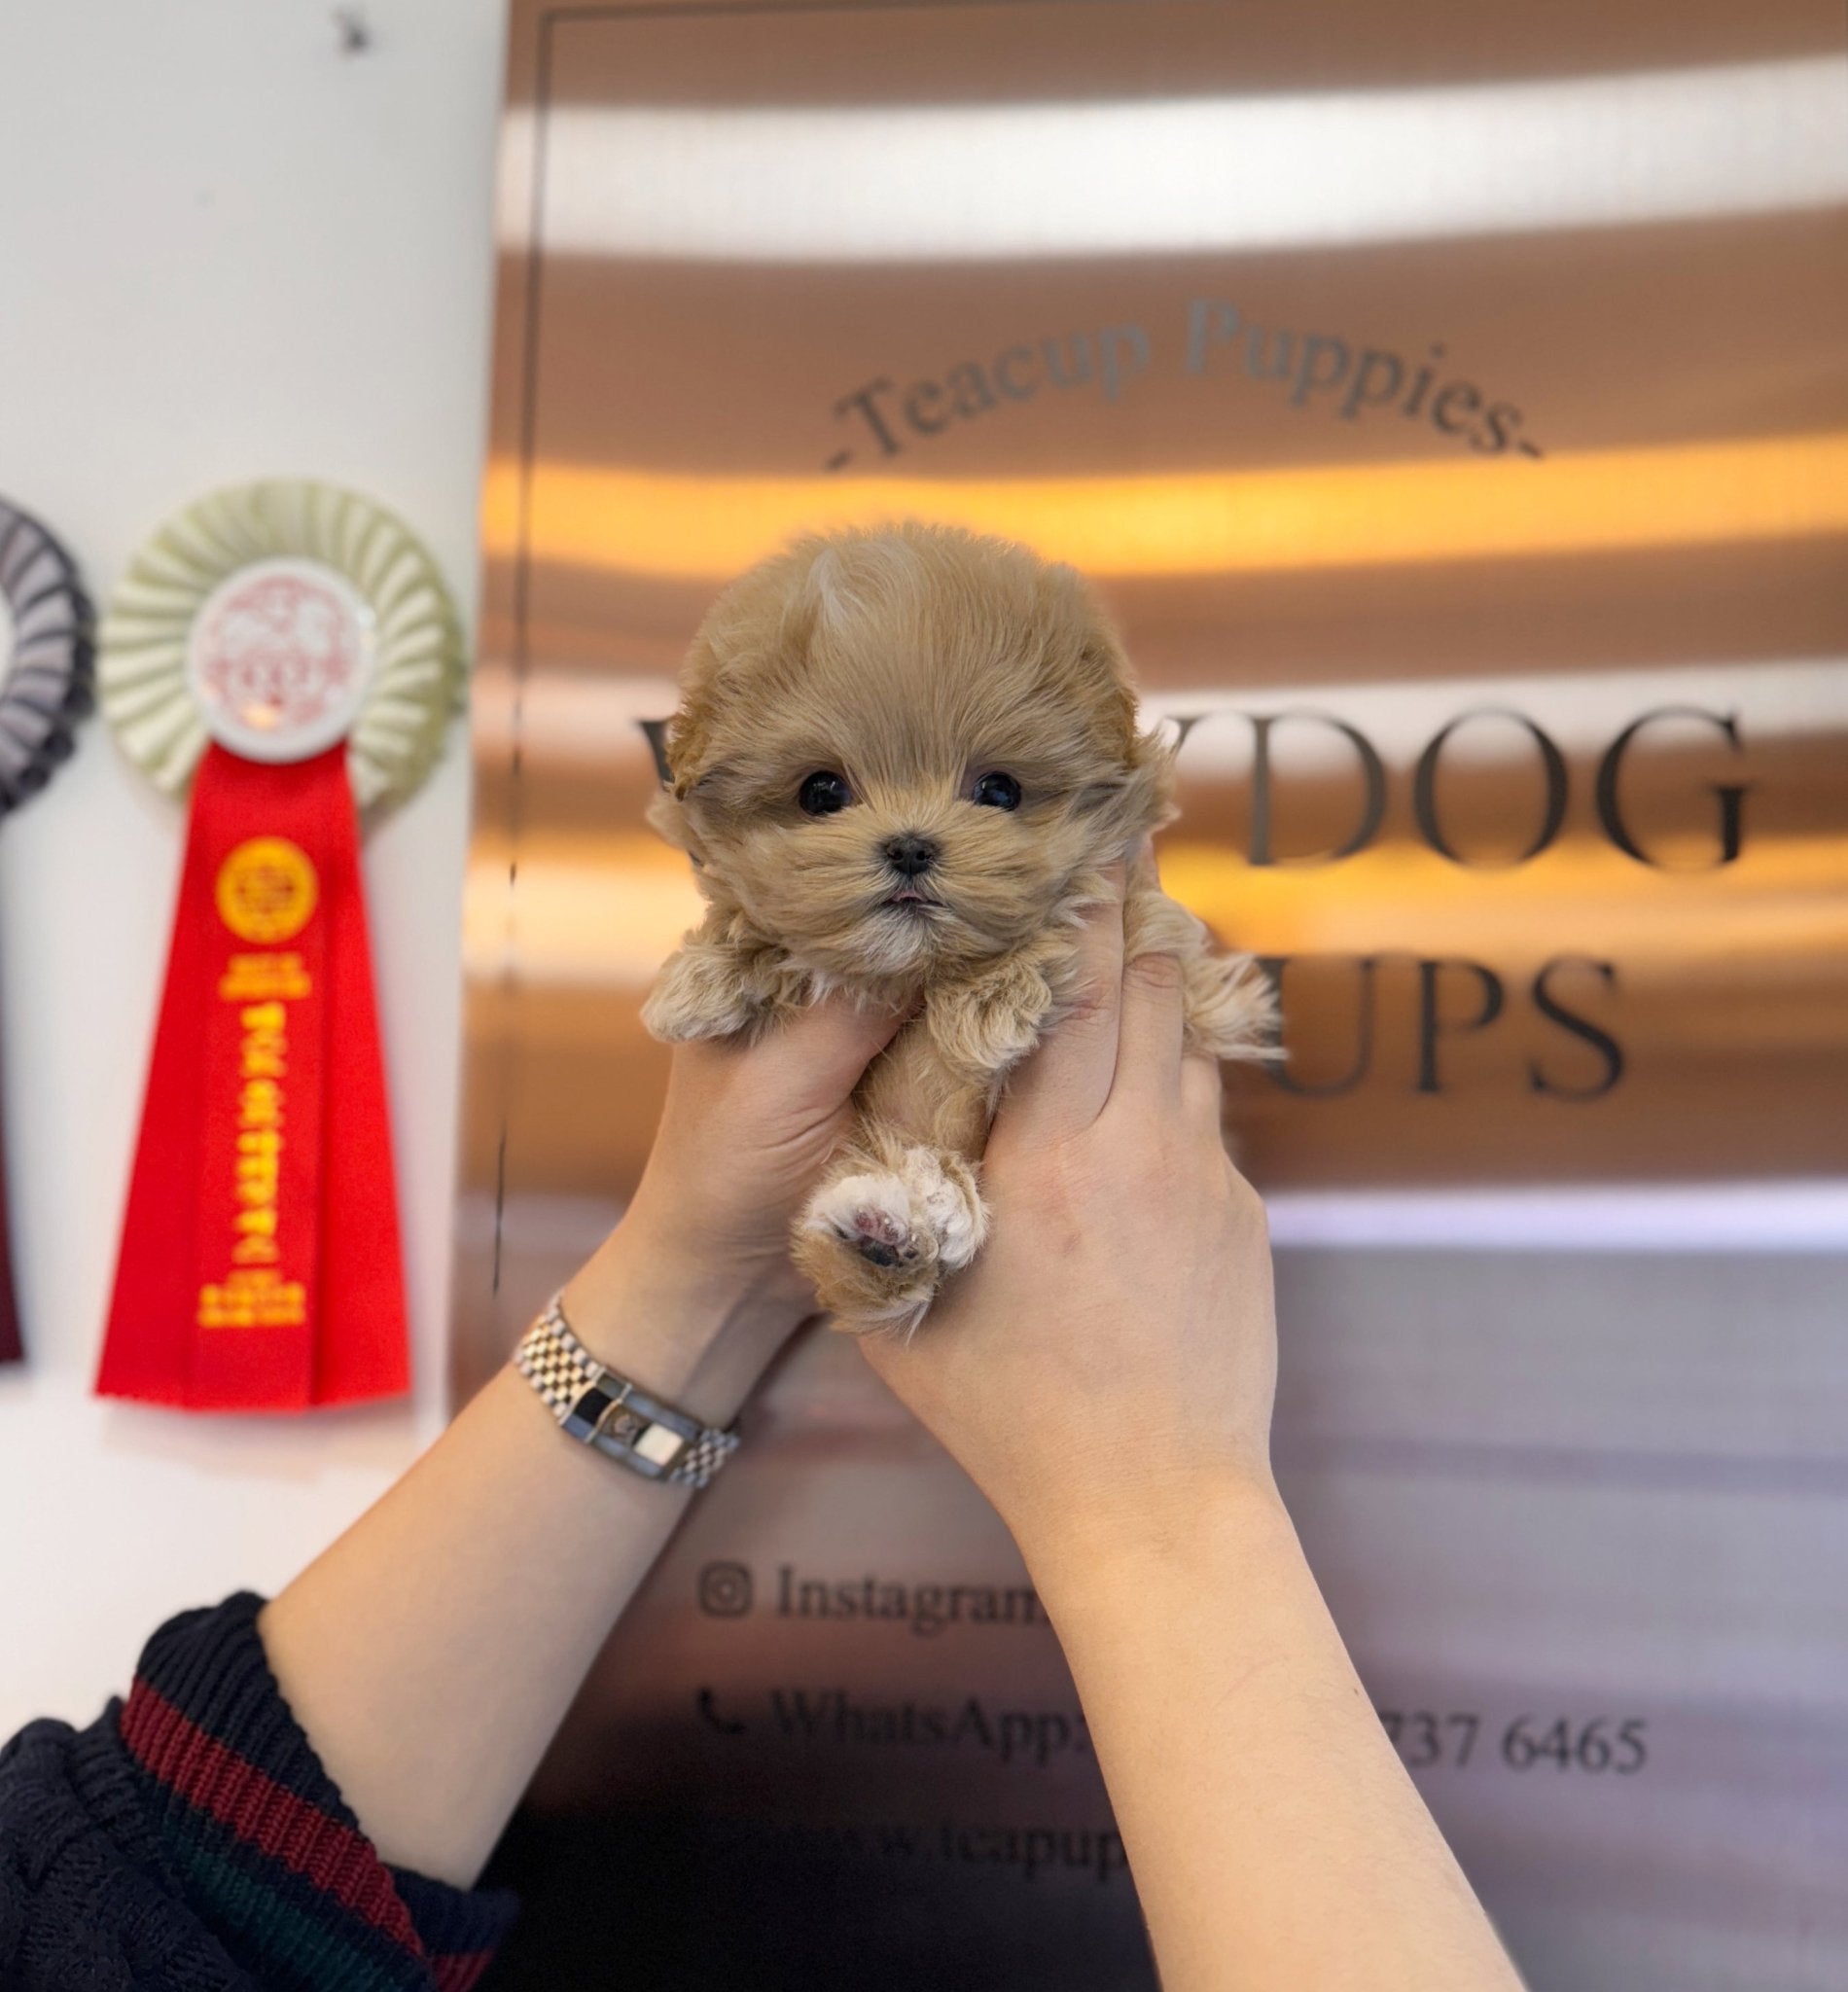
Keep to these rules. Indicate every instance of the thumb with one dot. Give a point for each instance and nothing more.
(814, 1060)
(898, 1357)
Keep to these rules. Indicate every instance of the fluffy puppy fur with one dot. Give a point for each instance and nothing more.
(899, 760)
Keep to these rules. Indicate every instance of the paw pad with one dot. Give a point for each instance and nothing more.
(879, 1236)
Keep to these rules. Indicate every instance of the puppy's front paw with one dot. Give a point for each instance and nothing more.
(700, 994)
(877, 1241)
(871, 1215)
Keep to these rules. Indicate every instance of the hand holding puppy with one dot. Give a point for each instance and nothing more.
(1108, 1365)
(901, 762)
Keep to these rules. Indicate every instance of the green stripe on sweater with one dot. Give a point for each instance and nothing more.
(311, 1950)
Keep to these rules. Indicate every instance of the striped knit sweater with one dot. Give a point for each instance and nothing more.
(190, 1841)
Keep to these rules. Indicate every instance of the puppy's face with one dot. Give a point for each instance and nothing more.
(900, 750)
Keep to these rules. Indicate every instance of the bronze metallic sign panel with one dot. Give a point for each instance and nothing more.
(1452, 406)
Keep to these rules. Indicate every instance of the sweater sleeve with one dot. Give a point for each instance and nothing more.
(217, 1809)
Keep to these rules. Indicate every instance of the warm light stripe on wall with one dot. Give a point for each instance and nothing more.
(674, 526)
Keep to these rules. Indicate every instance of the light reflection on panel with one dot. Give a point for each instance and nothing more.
(847, 184)
(1454, 411)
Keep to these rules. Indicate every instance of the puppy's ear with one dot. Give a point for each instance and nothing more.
(1137, 800)
(1083, 648)
(681, 747)
(688, 742)
(670, 818)
(754, 630)
(1149, 786)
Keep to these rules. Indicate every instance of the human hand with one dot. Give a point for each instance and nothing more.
(1109, 1361)
(702, 1253)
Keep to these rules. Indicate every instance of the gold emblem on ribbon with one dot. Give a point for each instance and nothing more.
(267, 890)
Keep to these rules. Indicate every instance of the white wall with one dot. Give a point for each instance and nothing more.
(226, 250)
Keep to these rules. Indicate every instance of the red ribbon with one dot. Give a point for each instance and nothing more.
(259, 1266)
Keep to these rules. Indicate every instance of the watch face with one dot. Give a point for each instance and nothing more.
(660, 1445)
(625, 1426)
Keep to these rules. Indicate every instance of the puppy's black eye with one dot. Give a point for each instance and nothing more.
(997, 791)
(823, 793)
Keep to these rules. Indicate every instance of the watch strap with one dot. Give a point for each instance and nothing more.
(602, 1409)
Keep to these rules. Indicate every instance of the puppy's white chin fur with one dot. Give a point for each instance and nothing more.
(888, 944)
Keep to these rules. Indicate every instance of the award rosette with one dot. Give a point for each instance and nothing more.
(45, 689)
(291, 651)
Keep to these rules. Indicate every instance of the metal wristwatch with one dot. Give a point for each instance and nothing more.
(603, 1409)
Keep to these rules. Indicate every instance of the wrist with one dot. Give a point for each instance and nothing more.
(1189, 1527)
(695, 1335)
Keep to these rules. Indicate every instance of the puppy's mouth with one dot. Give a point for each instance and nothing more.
(910, 899)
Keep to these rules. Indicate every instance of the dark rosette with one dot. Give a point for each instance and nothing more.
(45, 657)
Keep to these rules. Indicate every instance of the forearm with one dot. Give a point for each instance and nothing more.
(431, 1652)
(1274, 1836)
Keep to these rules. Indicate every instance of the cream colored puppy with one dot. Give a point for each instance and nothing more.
(899, 760)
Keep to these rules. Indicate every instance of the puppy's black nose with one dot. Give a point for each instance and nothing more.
(911, 853)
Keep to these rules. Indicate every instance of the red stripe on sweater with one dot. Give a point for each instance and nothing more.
(459, 1970)
(278, 1823)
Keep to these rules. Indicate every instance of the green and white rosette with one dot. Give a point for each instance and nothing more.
(275, 618)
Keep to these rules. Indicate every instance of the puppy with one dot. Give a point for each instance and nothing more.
(900, 759)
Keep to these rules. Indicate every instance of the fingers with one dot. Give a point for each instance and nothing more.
(1202, 1093)
(1061, 1088)
(1149, 1047)
(814, 1057)
(1143, 874)
(1149, 1038)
